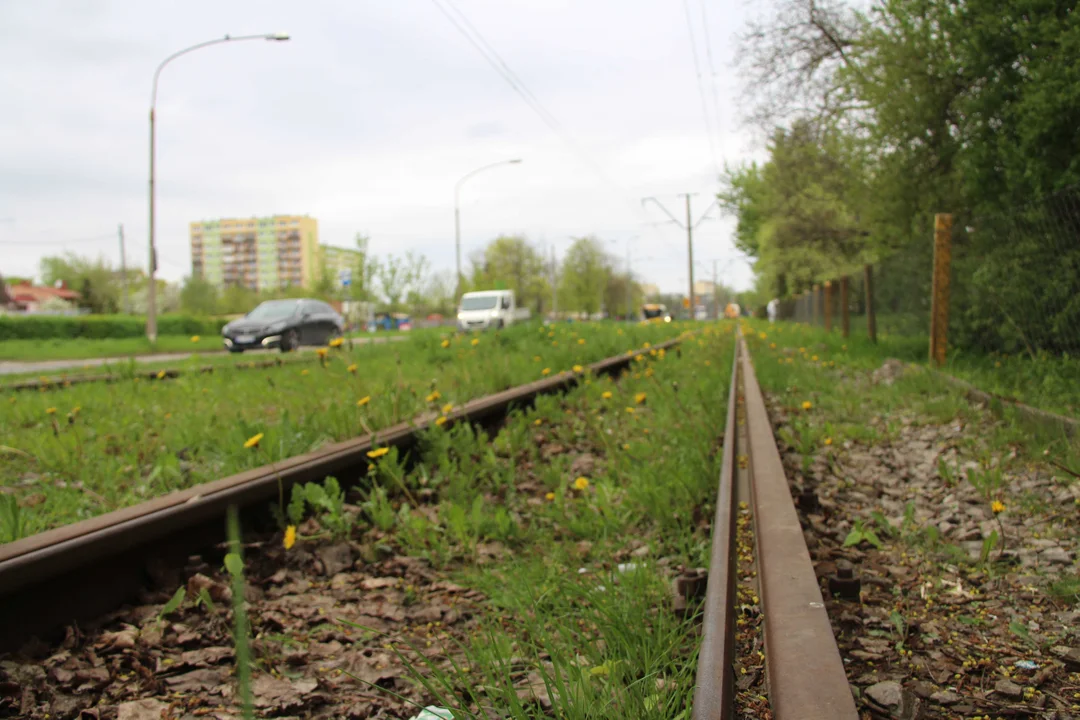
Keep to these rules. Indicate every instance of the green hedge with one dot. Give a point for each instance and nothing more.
(41, 327)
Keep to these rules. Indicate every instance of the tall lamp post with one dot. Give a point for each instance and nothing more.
(457, 215)
(151, 294)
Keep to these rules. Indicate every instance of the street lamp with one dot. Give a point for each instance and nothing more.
(457, 214)
(151, 294)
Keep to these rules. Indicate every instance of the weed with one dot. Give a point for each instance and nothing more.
(862, 532)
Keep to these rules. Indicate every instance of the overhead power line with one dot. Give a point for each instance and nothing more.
(717, 125)
(701, 86)
(463, 25)
(37, 243)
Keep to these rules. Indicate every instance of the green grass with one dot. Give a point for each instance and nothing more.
(84, 349)
(76, 452)
(597, 640)
(1046, 381)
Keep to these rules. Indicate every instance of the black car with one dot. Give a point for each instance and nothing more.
(285, 324)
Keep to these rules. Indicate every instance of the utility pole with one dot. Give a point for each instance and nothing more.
(123, 272)
(689, 227)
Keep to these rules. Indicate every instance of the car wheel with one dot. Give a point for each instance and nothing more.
(290, 341)
(236, 350)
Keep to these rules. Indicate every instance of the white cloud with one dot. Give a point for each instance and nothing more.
(365, 120)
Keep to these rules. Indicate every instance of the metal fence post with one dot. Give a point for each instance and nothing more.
(814, 309)
(828, 305)
(939, 299)
(871, 318)
(845, 310)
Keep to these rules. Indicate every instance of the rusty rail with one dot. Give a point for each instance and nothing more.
(806, 677)
(89, 568)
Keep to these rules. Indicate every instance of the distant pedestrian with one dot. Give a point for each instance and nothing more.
(772, 308)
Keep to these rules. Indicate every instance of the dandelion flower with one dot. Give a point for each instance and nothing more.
(581, 483)
(639, 398)
(352, 368)
(606, 395)
(435, 395)
(828, 441)
(545, 371)
(626, 446)
(814, 358)
(802, 350)
(581, 341)
(762, 335)
(554, 343)
(290, 537)
(630, 410)
(550, 496)
(646, 345)
(377, 452)
(475, 342)
(441, 420)
(161, 375)
(649, 371)
(445, 343)
(321, 352)
(337, 342)
(536, 358)
(997, 507)
(807, 405)
(303, 372)
(253, 441)
(50, 411)
(195, 338)
(578, 368)
(538, 421)
(363, 401)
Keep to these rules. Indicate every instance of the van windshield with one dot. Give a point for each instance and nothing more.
(479, 302)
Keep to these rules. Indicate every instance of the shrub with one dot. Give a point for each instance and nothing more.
(45, 327)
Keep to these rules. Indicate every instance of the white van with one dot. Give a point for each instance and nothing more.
(489, 309)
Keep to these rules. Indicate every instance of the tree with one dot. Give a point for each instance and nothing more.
(5, 299)
(511, 262)
(367, 267)
(198, 297)
(586, 269)
(397, 276)
(95, 280)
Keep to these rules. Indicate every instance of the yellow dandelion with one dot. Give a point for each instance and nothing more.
(802, 349)
(538, 421)
(639, 398)
(554, 343)
(828, 441)
(578, 368)
(606, 395)
(195, 338)
(377, 452)
(550, 496)
(581, 341)
(997, 507)
(626, 446)
(814, 358)
(303, 372)
(435, 395)
(363, 401)
(321, 352)
(445, 343)
(167, 415)
(337, 342)
(475, 342)
(762, 335)
(253, 441)
(50, 411)
(581, 483)
(536, 358)
(646, 345)
(161, 375)
(441, 420)
(649, 371)
(630, 410)
(290, 537)
(772, 346)
(447, 408)
(545, 371)
(807, 405)
(352, 368)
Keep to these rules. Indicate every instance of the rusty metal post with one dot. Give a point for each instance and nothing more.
(828, 305)
(815, 302)
(871, 318)
(939, 298)
(845, 309)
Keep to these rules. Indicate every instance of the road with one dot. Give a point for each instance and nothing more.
(47, 366)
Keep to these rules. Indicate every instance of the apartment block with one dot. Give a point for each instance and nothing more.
(257, 253)
(335, 259)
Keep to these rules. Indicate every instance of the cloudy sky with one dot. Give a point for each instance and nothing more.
(365, 120)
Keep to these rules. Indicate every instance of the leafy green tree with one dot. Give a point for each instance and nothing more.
(511, 262)
(95, 280)
(584, 278)
(367, 267)
(198, 297)
(397, 276)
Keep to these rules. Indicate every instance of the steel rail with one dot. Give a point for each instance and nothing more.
(85, 569)
(714, 696)
(805, 672)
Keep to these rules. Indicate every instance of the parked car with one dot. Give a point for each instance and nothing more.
(390, 321)
(489, 309)
(284, 324)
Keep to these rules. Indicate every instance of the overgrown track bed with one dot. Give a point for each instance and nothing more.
(947, 538)
(82, 451)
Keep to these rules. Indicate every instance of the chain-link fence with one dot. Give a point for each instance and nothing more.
(1014, 283)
